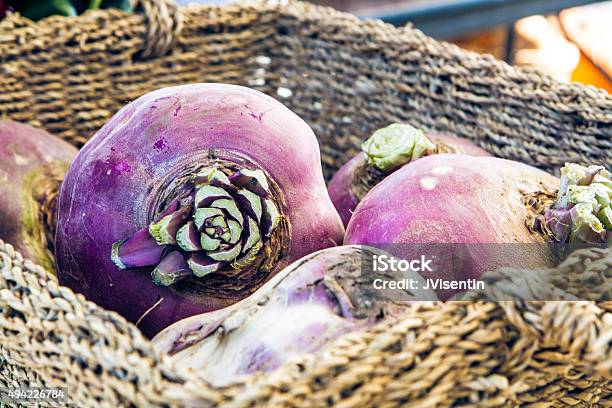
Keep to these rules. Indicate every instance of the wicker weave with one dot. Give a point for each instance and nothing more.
(345, 77)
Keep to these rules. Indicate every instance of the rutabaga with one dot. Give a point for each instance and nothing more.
(32, 166)
(384, 152)
(315, 300)
(188, 200)
(475, 214)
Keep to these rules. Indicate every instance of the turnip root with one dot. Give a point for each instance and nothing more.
(311, 302)
(32, 166)
(384, 152)
(188, 200)
(475, 213)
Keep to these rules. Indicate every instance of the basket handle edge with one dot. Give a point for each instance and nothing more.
(164, 20)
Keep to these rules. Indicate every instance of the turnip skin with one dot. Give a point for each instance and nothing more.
(341, 188)
(32, 166)
(359, 175)
(112, 189)
(313, 301)
(456, 199)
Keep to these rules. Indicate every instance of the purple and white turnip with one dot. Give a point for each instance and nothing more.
(313, 301)
(32, 166)
(476, 213)
(387, 150)
(188, 200)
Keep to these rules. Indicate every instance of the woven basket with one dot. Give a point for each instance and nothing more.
(345, 77)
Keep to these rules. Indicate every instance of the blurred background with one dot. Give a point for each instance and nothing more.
(569, 39)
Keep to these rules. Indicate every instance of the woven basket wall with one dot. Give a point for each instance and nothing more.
(345, 77)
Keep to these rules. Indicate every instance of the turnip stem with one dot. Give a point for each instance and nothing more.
(391, 147)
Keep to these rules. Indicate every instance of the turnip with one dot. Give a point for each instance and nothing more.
(311, 302)
(475, 213)
(384, 152)
(32, 166)
(188, 200)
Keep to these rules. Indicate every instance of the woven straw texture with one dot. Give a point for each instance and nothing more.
(345, 77)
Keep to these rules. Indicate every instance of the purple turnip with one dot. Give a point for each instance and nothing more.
(314, 300)
(384, 152)
(32, 166)
(188, 200)
(475, 213)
